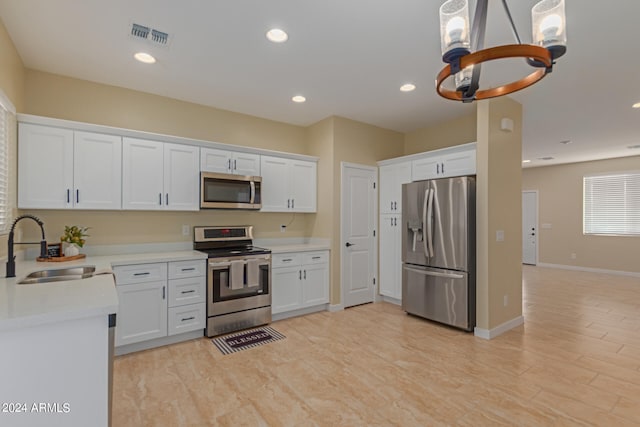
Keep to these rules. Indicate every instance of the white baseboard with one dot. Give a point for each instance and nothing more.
(488, 334)
(158, 342)
(300, 312)
(336, 307)
(390, 300)
(589, 269)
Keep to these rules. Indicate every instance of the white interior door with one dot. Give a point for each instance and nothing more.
(358, 224)
(530, 227)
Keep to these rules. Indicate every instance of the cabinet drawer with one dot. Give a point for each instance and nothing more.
(186, 291)
(182, 269)
(140, 273)
(285, 260)
(321, 257)
(186, 318)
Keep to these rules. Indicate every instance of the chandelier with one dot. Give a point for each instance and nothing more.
(462, 47)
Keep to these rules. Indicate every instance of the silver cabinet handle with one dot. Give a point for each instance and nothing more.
(167, 199)
(315, 257)
(164, 289)
(188, 269)
(146, 273)
(442, 167)
(434, 273)
(68, 196)
(391, 206)
(77, 196)
(188, 318)
(288, 203)
(300, 275)
(395, 206)
(188, 292)
(287, 260)
(229, 164)
(235, 165)
(305, 274)
(160, 199)
(293, 203)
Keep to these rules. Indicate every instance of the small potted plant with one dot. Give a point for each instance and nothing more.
(73, 239)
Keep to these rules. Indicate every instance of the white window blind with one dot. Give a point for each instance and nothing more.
(5, 209)
(612, 204)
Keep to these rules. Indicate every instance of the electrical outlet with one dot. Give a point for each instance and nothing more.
(283, 228)
(573, 255)
(185, 230)
(505, 300)
(500, 236)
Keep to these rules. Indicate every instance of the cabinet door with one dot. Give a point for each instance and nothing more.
(427, 168)
(286, 290)
(275, 184)
(142, 313)
(181, 177)
(246, 164)
(214, 160)
(45, 167)
(387, 188)
(458, 164)
(315, 284)
(142, 174)
(303, 186)
(390, 229)
(97, 171)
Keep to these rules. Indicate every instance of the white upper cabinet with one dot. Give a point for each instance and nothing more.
(97, 171)
(159, 176)
(63, 169)
(391, 179)
(288, 185)
(445, 164)
(223, 161)
(181, 177)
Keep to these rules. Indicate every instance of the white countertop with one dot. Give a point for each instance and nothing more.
(34, 304)
(301, 244)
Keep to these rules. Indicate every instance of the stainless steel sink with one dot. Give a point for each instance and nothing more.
(58, 275)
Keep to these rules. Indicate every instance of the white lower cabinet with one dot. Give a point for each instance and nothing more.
(158, 300)
(300, 280)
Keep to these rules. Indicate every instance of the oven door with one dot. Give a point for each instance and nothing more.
(225, 191)
(238, 283)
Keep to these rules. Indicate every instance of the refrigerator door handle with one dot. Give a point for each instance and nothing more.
(434, 273)
(424, 222)
(429, 225)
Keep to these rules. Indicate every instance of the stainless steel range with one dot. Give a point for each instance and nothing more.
(238, 279)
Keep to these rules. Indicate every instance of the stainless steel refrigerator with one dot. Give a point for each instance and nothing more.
(439, 250)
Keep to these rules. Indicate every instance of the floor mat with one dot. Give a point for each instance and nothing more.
(232, 343)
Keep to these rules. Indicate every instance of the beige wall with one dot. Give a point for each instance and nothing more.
(445, 134)
(499, 207)
(72, 99)
(12, 84)
(560, 204)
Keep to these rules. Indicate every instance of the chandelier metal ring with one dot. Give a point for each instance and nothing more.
(536, 53)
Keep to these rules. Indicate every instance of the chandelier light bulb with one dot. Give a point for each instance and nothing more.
(455, 30)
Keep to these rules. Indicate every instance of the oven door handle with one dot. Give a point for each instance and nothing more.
(219, 265)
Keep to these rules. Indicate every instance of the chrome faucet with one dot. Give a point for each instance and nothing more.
(11, 259)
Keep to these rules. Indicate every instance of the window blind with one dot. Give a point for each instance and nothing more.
(612, 204)
(5, 210)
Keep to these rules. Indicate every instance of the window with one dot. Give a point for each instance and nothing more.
(612, 204)
(7, 112)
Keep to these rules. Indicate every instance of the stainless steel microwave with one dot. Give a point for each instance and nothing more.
(226, 191)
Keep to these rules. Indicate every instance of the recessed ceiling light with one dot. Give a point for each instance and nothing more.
(633, 147)
(144, 57)
(408, 87)
(636, 105)
(277, 35)
(566, 141)
(526, 161)
(298, 99)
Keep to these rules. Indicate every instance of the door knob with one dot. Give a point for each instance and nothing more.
(533, 234)
(349, 244)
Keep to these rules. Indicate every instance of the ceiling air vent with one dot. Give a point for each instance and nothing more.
(146, 33)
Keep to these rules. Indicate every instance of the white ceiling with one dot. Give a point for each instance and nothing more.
(348, 57)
